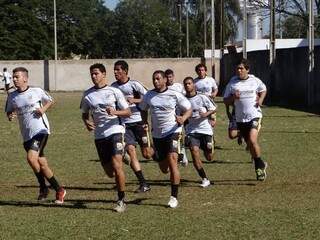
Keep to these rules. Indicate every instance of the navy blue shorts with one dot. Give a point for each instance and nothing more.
(110, 146)
(37, 143)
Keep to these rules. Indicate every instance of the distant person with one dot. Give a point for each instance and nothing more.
(247, 92)
(198, 129)
(102, 106)
(136, 131)
(29, 105)
(183, 160)
(166, 127)
(207, 86)
(7, 79)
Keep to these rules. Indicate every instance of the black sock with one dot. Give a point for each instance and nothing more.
(120, 195)
(202, 173)
(258, 163)
(41, 180)
(140, 177)
(174, 190)
(54, 183)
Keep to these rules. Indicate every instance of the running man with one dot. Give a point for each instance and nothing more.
(29, 105)
(7, 79)
(106, 105)
(136, 132)
(198, 129)
(171, 84)
(166, 127)
(247, 93)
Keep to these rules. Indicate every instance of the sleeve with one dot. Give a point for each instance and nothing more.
(140, 88)
(45, 97)
(183, 102)
(9, 106)
(208, 104)
(84, 105)
(214, 84)
(144, 104)
(121, 101)
(227, 92)
(261, 86)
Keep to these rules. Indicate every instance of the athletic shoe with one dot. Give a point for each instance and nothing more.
(143, 188)
(126, 159)
(261, 173)
(43, 193)
(121, 206)
(239, 140)
(173, 202)
(205, 183)
(60, 194)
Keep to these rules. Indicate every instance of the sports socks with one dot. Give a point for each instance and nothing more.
(54, 183)
(174, 190)
(258, 163)
(121, 195)
(41, 180)
(140, 177)
(202, 173)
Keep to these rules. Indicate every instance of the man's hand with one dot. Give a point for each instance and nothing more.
(89, 125)
(11, 116)
(179, 120)
(236, 94)
(111, 111)
(38, 112)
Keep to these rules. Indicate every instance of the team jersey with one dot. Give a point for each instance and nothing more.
(205, 85)
(95, 101)
(24, 105)
(131, 89)
(177, 87)
(163, 111)
(196, 123)
(246, 107)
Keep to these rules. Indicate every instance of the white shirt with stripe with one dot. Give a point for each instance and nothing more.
(246, 107)
(132, 89)
(163, 107)
(95, 101)
(177, 87)
(24, 105)
(205, 85)
(196, 123)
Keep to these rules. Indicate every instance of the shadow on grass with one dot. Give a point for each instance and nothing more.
(282, 131)
(76, 188)
(225, 162)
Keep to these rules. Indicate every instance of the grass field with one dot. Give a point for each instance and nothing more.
(285, 206)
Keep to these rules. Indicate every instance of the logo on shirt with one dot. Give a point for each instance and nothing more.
(119, 146)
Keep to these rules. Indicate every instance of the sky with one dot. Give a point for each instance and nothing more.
(111, 4)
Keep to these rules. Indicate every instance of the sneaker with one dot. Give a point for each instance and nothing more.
(126, 159)
(205, 183)
(182, 159)
(143, 188)
(43, 193)
(61, 193)
(261, 173)
(121, 206)
(173, 202)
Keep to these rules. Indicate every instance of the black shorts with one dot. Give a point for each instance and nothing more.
(110, 146)
(166, 145)
(135, 133)
(245, 127)
(204, 141)
(37, 143)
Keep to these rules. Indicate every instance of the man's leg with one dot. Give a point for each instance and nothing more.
(120, 181)
(174, 178)
(135, 165)
(197, 163)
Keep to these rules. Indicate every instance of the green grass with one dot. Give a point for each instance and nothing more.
(285, 206)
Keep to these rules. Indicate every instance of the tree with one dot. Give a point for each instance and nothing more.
(295, 13)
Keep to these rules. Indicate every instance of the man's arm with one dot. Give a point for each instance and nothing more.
(40, 111)
(260, 98)
(120, 113)
(87, 122)
(181, 119)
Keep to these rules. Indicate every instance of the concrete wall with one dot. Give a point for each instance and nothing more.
(73, 75)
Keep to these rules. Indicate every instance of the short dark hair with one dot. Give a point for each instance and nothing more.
(199, 66)
(100, 66)
(158, 72)
(187, 78)
(21, 69)
(245, 62)
(4, 69)
(123, 64)
(168, 72)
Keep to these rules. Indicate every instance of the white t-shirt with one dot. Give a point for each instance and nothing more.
(7, 77)
(177, 87)
(95, 101)
(132, 89)
(245, 107)
(205, 85)
(163, 111)
(197, 124)
(24, 104)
